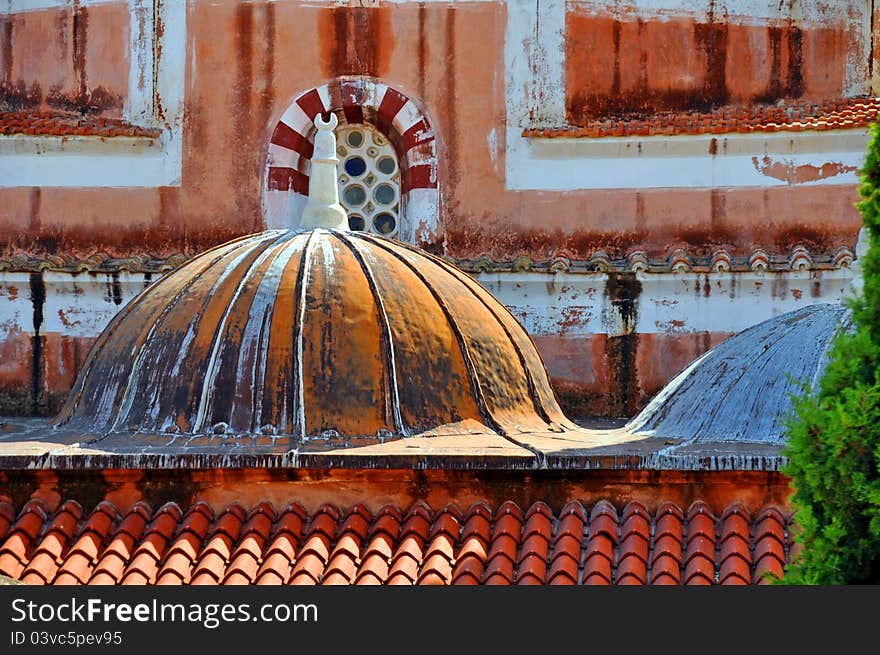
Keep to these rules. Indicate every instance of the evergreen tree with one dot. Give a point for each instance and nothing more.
(834, 432)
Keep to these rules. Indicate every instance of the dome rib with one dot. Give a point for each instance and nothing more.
(481, 295)
(219, 340)
(255, 339)
(185, 272)
(476, 388)
(159, 378)
(298, 409)
(533, 392)
(388, 339)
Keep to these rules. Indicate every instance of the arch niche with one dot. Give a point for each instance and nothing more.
(355, 101)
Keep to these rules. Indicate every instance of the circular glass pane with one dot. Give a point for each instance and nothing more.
(355, 166)
(384, 223)
(386, 165)
(355, 139)
(356, 222)
(354, 195)
(384, 194)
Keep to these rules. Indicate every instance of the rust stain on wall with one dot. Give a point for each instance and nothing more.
(65, 321)
(80, 42)
(357, 41)
(34, 218)
(637, 67)
(38, 301)
(788, 172)
(623, 291)
(6, 32)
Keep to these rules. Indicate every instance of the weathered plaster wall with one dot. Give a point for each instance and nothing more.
(244, 64)
(609, 341)
(631, 58)
(73, 58)
(225, 71)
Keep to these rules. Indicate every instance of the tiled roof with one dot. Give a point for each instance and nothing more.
(679, 259)
(44, 123)
(504, 544)
(789, 115)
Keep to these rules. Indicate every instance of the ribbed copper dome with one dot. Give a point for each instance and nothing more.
(324, 338)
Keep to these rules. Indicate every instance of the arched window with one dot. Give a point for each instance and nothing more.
(369, 179)
(398, 149)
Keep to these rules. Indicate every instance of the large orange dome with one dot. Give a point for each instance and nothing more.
(318, 338)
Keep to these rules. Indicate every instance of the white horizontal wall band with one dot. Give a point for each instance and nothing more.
(530, 166)
(565, 304)
(576, 304)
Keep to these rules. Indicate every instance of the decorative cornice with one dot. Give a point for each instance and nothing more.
(96, 263)
(678, 260)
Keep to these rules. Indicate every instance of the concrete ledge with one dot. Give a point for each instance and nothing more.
(30, 445)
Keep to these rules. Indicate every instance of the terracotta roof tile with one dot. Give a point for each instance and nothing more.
(244, 565)
(404, 566)
(667, 555)
(7, 516)
(436, 570)
(478, 523)
(784, 116)
(440, 550)
(44, 123)
(770, 540)
(16, 550)
(469, 570)
(373, 569)
(217, 551)
(343, 563)
(86, 549)
(48, 554)
(476, 546)
(700, 545)
(274, 570)
(566, 553)
(315, 551)
(634, 545)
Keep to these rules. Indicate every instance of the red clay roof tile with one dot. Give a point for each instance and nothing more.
(41, 569)
(436, 569)
(244, 564)
(507, 546)
(210, 570)
(76, 570)
(665, 570)
(432, 578)
(177, 569)
(468, 571)
(110, 568)
(532, 569)
(373, 569)
(7, 516)
(45, 123)
(407, 559)
(787, 115)
(275, 569)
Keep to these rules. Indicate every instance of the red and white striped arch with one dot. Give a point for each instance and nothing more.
(355, 100)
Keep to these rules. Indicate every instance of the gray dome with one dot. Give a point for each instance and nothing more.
(740, 390)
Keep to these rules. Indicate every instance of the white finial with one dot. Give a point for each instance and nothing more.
(323, 208)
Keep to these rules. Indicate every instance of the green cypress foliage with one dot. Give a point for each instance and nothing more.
(834, 432)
